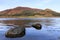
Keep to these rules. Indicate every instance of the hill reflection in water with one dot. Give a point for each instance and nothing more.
(50, 30)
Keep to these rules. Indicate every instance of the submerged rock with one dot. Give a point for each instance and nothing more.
(37, 26)
(15, 32)
(19, 31)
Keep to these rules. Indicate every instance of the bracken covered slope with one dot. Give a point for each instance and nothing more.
(26, 11)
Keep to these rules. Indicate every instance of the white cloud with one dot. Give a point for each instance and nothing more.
(46, 1)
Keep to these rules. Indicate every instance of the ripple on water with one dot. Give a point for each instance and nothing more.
(50, 31)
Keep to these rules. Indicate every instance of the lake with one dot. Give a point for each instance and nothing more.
(50, 29)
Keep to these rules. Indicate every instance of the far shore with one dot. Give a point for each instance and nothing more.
(26, 17)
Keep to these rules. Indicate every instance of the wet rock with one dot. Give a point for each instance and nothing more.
(15, 32)
(37, 26)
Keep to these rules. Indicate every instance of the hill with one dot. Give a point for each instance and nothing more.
(28, 12)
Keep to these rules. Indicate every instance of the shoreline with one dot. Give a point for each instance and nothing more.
(27, 17)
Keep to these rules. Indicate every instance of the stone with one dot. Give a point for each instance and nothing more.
(20, 31)
(37, 26)
(15, 32)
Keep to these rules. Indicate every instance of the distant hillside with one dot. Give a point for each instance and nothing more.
(26, 11)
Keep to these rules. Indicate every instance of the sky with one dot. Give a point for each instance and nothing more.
(40, 4)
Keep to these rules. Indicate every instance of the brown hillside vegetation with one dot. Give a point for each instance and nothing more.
(26, 11)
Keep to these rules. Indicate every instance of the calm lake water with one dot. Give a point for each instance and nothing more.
(50, 30)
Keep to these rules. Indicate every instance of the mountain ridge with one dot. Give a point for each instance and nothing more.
(27, 11)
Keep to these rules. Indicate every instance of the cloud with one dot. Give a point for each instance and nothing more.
(46, 1)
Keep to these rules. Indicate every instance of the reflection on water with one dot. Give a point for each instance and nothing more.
(50, 30)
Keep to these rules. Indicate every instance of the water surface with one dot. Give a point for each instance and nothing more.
(50, 30)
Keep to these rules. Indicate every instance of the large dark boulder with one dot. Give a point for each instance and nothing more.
(37, 26)
(15, 32)
(19, 31)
